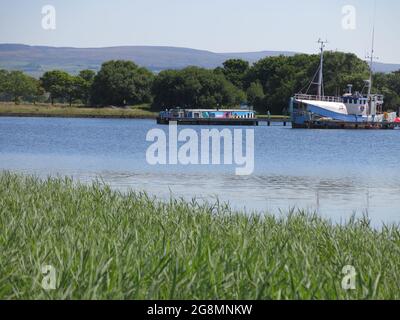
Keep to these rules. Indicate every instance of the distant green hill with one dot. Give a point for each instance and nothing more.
(35, 60)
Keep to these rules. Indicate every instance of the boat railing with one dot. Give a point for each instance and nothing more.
(301, 96)
(378, 98)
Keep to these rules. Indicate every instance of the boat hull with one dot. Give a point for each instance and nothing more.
(322, 115)
(331, 124)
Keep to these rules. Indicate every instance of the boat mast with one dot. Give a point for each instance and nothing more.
(321, 92)
(371, 67)
(371, 64)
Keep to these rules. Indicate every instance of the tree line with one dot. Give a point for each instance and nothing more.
(267, 85)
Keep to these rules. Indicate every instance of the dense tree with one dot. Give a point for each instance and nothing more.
(3, 91)
(255, 95)
(58, 84)
(37, 94)
(72, 88)
(341, 69)
(277, 76)
(283, 76)
(87, 75)
(194, 87)
(84, 84)
(67, 88)
(389, 86)
(267, 85)
(394, 81)
(235, 71)
(3, 76)
(121, 83)
(19, 85)
(16, 85)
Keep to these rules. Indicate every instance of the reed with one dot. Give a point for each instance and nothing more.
(105, 244)
(47, 110)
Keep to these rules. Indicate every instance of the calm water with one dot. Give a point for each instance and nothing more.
(336, 173)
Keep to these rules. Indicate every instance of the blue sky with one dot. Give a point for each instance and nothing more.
(215, 25)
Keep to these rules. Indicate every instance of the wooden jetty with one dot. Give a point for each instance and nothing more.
(210, 121)
(274, 120)
(267, 121)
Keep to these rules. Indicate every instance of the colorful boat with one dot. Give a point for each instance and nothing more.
(245, 117)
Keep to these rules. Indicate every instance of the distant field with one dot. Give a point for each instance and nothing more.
(104, 244)
(46, 110)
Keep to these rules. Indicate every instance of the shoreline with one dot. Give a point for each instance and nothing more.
(63, 111)
(75, 116)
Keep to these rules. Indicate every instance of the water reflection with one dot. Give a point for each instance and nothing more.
(335, 173)
(336, 199)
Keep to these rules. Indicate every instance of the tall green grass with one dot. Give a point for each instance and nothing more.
(109, 245)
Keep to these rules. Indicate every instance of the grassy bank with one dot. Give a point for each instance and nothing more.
(104, 244)
(47, 110)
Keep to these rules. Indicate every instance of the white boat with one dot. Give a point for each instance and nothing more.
(351, 108)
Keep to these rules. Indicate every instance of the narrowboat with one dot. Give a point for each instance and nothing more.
(209, 117)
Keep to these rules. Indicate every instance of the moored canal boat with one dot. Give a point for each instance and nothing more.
(208, 117)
